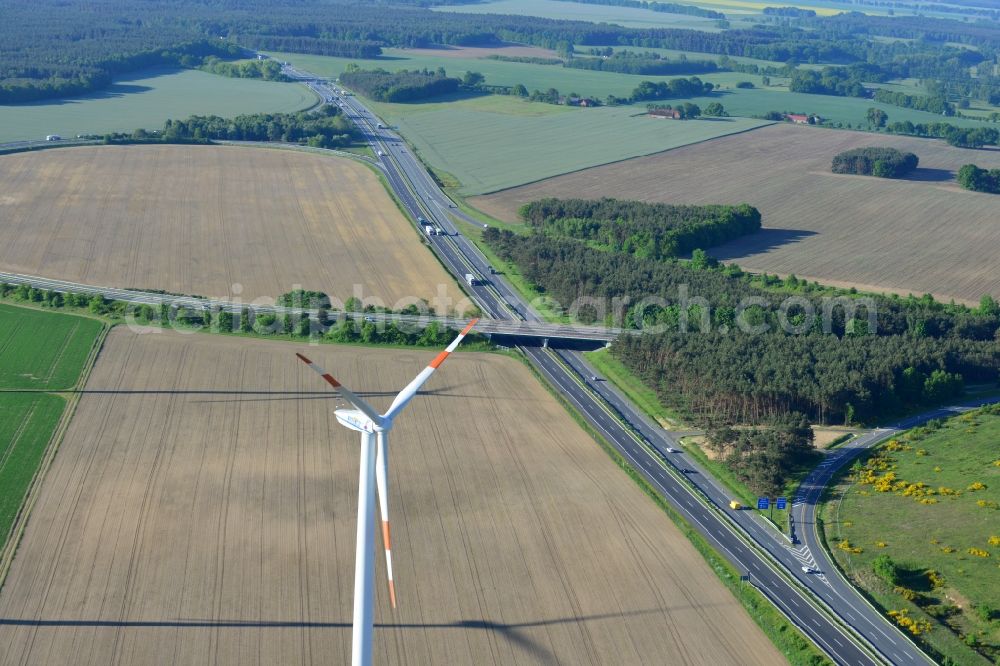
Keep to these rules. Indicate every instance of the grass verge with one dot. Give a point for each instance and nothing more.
(633, 387)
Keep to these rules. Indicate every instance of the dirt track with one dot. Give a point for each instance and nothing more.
(218, 527)
(200, 219)
(921, 235)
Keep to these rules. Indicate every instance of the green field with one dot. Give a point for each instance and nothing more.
(43, 350)
(38, 351)
(624, 16)
(147, 99)
(925, 532)
(495, 142)
(737, 101)
(27, 421)
(541, 77)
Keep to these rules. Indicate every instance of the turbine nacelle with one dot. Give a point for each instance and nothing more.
(355, 419)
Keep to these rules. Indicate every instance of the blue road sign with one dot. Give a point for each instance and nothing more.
(762, 503)
(782, 503)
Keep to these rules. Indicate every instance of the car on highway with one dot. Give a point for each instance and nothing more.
(808, 570)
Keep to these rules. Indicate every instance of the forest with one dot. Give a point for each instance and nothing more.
(647, 230)
(971, 177)
(875, 161)
(54, 48)
(762, 457)
(401, 86)
(720, 347)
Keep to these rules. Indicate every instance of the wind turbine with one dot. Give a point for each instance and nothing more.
(374, 429)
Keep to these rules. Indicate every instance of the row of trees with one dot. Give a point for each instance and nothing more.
(401, 86)
(268, 70)
(649, 64)
(336, 327)
(971, 177)
(875, 161)
(648, 230)
(687, 110)
(960, 137)
(341, 48)
(326, 127)
(934, 104)
(654, 5)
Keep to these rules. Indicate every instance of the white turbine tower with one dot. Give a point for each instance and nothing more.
(374, 429)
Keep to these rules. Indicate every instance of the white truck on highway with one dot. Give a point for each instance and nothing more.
(471, 280)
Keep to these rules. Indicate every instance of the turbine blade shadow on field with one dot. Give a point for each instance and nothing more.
(509, 630)
(760, 242)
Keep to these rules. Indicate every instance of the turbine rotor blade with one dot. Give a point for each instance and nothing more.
(382, 484)
(345, 392)
(411, 389)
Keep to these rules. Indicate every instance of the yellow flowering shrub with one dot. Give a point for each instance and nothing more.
(935, 578)
(903, 619)
(978, 552)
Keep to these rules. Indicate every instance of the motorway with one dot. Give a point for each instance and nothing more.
(820, 602)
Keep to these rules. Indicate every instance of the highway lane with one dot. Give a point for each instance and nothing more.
(461, 254)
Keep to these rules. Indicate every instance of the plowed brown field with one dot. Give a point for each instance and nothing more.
(200, 219)
(921, 235)
(190, 519)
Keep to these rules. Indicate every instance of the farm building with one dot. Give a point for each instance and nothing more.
(665, 113)
(802, 119)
